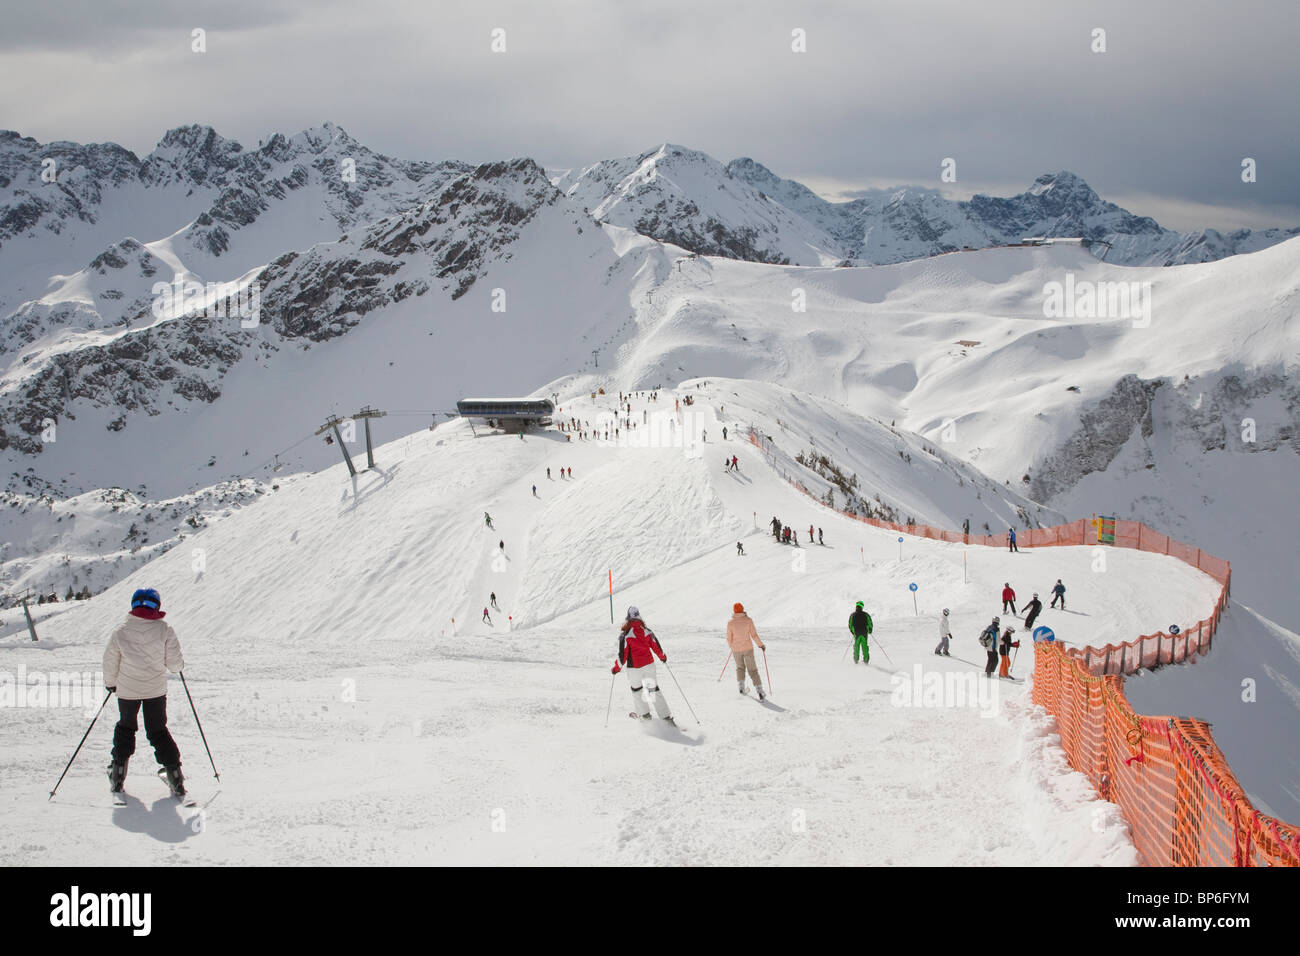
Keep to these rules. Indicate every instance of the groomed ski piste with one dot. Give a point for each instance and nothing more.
(354, 723)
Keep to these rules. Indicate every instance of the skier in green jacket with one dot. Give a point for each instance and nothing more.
(860, 628)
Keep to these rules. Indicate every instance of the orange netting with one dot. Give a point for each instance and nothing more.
(1172, 784)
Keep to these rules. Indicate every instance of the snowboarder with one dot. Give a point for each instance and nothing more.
(140, 652)
(637, 649)
(1008, 598)
(1058, 594)
(1032, 610)
(492, 598)
(740, 549)
(741, 638)
(1005, 649)
(1011, 540)
(989, 641)
(819, 537)
(945, 635)
(860, 627)
(487, 618)
(487, 518)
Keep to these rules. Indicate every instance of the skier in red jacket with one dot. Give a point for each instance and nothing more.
(1008, 598)
(637, 649)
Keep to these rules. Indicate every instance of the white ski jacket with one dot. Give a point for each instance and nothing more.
(140, 652)
(945, 630)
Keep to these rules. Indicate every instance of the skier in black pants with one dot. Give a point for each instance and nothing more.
(1058, 594)
(140, 652)
(1032, 610)
(740, 549)
(989, 641)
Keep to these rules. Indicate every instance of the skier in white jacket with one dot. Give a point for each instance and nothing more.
(140, 652)
(945, 635)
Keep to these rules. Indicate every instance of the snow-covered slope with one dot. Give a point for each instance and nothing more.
(338, 694)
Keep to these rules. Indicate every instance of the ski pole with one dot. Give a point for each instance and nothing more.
(83, 740)
(611, 699)
(1014, 655)
(766, 671)
(200, 724)
(680, 691)
(845, 656)
(886, 653)
(724, 667)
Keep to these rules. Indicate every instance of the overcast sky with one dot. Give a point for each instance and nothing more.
(1159, 123)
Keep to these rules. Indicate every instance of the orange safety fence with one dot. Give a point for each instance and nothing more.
(1171, 782)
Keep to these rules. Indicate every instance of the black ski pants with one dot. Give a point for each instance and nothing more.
(155, 728)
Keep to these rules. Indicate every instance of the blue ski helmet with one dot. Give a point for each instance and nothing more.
(146, 597)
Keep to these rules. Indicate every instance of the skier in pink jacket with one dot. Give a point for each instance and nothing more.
(741, 638)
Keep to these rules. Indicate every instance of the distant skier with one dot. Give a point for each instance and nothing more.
(989, 641)
(1008, 598)
(492, 598)
(570, 471)
(1011, 540)
(1005, 650)
(819, 537)
(740, 549)
(776, 528)
(724, 432)
(140, 652)
(704, 435)
(1058, 594)
(810, 534)
(548, 474)
(487, 518)
(735, 463)
(860, 627)
(487, 618)
(637, 649)
(945, 635)
(965, 526)
(741, 638)
(502, 545)
(534, 491)
(1032, 610)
